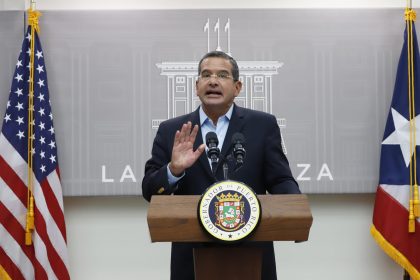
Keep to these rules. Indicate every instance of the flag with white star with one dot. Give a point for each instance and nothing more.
(398, 153)
(47, 257)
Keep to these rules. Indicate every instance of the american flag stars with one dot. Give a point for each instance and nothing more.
(18, 78)
(16, 116)
(7, 118)
(40, 68)
(19, 92)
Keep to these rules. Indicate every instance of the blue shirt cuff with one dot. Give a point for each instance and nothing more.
(172, 180)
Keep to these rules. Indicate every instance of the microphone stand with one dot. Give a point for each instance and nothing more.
(225, 171)
(214, 166)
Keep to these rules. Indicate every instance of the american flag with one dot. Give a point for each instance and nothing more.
(395, 231)
(46, 257)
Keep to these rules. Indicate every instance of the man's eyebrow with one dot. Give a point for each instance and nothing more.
(221, 71)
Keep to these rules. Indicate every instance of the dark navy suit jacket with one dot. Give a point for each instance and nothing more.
(265, 169)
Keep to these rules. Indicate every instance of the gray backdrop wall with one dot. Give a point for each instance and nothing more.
(326, 74)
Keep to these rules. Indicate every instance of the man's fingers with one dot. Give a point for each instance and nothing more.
(193, 133)
(185, 132)
(182, 133)
(199, 150)
(177, 136)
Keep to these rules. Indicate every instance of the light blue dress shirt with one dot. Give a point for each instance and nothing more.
(207, 126)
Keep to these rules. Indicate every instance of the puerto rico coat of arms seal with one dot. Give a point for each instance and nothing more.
(229, 211)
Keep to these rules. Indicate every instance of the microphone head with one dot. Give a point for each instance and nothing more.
(211, 138)
(238, 143)
(238, 138)
(213, 151)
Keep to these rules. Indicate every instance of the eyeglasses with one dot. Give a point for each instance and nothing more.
(221, 76)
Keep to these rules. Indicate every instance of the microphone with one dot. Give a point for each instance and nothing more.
(213, 151)
(238, 143)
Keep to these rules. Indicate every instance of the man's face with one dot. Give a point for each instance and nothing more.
(215, 86)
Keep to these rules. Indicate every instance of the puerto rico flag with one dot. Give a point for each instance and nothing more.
(399, 150)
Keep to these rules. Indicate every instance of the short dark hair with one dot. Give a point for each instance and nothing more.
(235, 68)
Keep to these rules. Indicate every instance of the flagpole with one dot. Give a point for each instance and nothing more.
(416, 201)
(409, 4)
(414, 211)
(413, 199)
(30, 224)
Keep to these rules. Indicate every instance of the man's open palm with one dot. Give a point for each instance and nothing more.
(183, 154)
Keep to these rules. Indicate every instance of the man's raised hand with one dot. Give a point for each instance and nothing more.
(183, 155)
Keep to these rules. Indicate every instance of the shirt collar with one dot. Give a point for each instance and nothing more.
(204, 117)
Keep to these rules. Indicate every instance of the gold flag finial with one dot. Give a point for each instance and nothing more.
(410, 14)
(33, 16)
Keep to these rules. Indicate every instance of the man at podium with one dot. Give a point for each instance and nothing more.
(180, 166)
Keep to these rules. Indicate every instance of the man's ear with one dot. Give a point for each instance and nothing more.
(238, 86)
(196, 87)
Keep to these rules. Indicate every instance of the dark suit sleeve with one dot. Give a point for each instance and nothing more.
(278, 176)
(155, 179)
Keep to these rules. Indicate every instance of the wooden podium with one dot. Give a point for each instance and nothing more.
(174, 219)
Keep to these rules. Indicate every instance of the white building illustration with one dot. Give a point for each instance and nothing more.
(256, 77)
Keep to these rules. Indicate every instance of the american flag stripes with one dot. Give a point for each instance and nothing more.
(46, 257)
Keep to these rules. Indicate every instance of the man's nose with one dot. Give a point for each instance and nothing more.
(213, 80)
